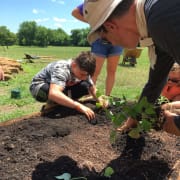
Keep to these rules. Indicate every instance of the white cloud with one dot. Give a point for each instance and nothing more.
(60, 20)
(41, 20)
(58, 25)
(37, 11)
(58, 1)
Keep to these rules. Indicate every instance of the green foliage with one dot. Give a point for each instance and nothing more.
(162, 100)
(7, 38)
(108, 172)
(143, 111)
(79, 37)
(26, 33)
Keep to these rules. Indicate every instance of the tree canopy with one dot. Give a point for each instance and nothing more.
(31, 34)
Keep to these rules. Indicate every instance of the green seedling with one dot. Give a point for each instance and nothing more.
(104, 100)
(108, 172)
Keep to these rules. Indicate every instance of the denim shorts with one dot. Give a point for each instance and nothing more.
(105, 49)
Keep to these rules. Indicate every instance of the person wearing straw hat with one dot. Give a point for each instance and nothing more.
(151, 23)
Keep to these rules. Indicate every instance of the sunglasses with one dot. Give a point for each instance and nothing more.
(174, 80)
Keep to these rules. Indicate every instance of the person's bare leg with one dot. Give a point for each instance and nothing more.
(112, 63)
(99, 64)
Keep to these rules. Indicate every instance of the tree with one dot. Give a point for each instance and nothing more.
(79, 37)
(7, 38)
(58, 37)
(26, 33)
(41, 37)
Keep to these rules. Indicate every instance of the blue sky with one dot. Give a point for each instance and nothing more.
(48, 13)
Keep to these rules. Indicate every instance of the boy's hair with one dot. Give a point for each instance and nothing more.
(86, 62)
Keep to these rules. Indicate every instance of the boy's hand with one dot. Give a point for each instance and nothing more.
(85, 110)
(104, 101)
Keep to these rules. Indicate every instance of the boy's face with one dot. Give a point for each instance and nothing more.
(80, 74)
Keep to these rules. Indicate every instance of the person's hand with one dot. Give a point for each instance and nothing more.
(128, 124)
(85, 110)
(104, 101)
(169, 125)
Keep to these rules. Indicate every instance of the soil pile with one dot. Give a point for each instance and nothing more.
(41, 148)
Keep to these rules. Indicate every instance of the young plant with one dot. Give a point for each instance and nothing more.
(108, 172)
(143, 111)
(103, 100)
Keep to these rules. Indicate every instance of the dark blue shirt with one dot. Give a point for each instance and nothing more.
(163, 24)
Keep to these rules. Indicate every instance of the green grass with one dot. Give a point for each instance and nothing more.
(129, 80)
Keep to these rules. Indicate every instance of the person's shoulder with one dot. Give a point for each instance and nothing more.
(64, 61)
(63, 64)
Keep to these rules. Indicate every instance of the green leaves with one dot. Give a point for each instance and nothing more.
(145, 125)
(143, 111)
(134, 133)
(108, 172)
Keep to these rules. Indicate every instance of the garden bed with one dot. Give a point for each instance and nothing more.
(40, 148)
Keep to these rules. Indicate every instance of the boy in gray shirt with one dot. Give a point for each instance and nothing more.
(58, 78)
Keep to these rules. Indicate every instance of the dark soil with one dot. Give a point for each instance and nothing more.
(44, 147)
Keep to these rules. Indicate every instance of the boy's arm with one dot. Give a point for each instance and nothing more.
(56, 94)
(92, 91)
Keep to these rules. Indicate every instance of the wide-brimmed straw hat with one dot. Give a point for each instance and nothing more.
(96, 12)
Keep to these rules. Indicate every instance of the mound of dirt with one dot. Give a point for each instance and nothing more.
(41, 148)
(10, 67)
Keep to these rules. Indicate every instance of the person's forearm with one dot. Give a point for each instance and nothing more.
(64, 100)
(172, 105)
(92, 91)
(76, 13)
(157, 77)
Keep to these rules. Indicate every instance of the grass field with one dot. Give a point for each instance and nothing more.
(129, 80)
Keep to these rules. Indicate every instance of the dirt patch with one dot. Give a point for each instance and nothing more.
(41, 148)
